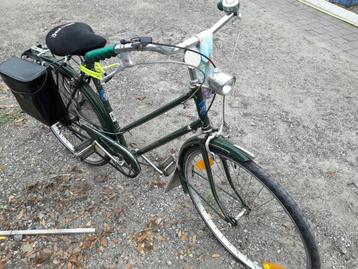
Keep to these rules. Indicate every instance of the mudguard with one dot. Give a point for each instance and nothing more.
(218, 144)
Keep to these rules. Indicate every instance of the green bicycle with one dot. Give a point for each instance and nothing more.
(249, 213)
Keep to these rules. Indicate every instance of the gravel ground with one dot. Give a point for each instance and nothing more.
(295, 107)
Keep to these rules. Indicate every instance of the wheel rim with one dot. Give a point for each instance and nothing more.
(79, 111)
(271, 237)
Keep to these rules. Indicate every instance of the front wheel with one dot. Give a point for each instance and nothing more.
(249, 213)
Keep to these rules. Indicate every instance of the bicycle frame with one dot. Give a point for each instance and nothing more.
(193, 93)
(112, 128)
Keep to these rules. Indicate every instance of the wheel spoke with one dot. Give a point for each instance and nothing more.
(252, 203)
(218, 213)
(263, 204)
(221, 189)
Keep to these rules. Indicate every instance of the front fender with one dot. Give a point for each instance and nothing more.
(218, 145)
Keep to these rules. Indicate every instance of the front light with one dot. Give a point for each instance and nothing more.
(231, 6)
(221, 83)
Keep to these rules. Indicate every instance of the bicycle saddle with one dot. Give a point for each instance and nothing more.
(75, 38)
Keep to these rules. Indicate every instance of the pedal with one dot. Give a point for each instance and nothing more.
(85, 149)
(168, 166)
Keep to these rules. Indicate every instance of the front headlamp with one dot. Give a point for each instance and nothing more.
(221, 83)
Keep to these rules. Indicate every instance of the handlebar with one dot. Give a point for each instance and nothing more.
(113, 50)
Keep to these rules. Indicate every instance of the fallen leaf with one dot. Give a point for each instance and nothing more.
(88, 242)
(21, 214)
(215, 255)
(6, 106)
(118, 211)
(129, 266)
(184, 236)
(74, 262)
(103, 241)
(332, 173)
(143, 241)
(76, 169)
(160, 238)
(100, 178)
(140, 98)
(40, 259)
(133, 145)
(2, 265)
(108, 193)
(19, 121)
(157, 184)
(107, 228)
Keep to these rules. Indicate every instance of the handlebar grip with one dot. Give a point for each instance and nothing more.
(100, 54)
(220, 5)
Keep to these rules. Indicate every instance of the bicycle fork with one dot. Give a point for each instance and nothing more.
(233, 221)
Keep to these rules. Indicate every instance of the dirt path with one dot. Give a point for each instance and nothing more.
(295, 107)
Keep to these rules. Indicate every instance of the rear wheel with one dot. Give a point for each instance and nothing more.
(80, 110)
(262, 226)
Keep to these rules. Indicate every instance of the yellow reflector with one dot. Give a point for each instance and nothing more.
(201, 164)
(269, 265)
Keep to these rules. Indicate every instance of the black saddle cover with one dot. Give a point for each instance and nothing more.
(75, 38)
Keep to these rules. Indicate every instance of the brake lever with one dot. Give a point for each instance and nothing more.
(125, 60)
(138, 42)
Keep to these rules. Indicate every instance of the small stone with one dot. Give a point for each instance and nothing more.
(18, 237)
(169, 263)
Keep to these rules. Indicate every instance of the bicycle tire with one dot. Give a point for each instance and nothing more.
(79, 110)
(252, 252)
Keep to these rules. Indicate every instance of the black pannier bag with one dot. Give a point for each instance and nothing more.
(34, 89)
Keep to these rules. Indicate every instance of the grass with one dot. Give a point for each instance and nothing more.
(10, 115)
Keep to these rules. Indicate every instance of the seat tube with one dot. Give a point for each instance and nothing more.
(103, 96)
(199, 100)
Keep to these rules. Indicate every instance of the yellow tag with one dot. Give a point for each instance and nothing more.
(98, 71)
(91, 73)
(269, 265)
(3, 238)
(201, 164)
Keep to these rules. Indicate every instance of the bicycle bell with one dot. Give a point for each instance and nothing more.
(221, 83)
(231, 6)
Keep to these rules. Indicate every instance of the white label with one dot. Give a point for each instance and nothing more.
(112, 116)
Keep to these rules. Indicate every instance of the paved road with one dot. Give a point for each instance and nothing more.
(324, 30)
